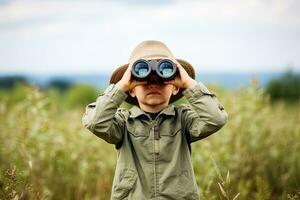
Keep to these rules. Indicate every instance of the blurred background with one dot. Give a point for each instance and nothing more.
(57, 56)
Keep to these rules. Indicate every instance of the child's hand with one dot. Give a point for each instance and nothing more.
(126, 83)
(183, 80)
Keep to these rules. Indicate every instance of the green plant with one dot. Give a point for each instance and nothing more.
(50, 155)
(224, 184)
(286, 87)
(80, 95)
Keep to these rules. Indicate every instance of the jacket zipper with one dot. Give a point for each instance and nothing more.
(156, 137)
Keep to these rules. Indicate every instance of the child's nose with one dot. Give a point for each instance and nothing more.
(153, 86)
(153, 79)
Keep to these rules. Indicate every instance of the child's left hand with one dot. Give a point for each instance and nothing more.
(183, 80)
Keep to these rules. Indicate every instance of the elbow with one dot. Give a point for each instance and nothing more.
(219, 119)
(97, 130)
(203, 129)
(87, 123)
(217, 116)
(89, 126)
(221, 116)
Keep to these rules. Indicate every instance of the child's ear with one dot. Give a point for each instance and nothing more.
(132, 93)
(175, 90)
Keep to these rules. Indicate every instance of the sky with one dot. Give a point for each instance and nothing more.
(97, 36)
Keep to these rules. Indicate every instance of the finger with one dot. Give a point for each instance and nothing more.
(182, 71)
(141, 82)
(173, 60)
(176, 63)
(176, 82)
(170, 82)
(136, 83)
(127, 73)
(179, 67)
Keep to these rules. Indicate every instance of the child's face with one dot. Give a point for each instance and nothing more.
(153, 97)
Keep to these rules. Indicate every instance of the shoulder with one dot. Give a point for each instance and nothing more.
(124, 111)
(182, 108)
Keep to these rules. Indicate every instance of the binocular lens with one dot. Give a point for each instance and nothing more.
(166, 69)
(141, 69)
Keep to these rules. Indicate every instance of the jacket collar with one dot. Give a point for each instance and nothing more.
(135, 111)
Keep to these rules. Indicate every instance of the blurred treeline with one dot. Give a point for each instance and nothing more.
(287, 87)
(64, 94)
(46, 153)
(69, 95)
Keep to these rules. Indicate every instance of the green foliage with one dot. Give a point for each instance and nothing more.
(51, 152)
(15, 95)
(59, 85)
(13, 185)
(46, 153)
(224, 184)
(9, 82)
(259, 146)
(80, 95)
(287, 87)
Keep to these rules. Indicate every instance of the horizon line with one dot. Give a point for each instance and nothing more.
(89, 73)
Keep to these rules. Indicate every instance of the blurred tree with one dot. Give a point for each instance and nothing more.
(9, 82)
(60, 85)
(80, 95)
(286, 87)
(15, 94)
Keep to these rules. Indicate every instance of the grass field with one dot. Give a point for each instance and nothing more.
(45, 152)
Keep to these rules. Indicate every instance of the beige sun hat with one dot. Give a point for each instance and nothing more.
(150, 50)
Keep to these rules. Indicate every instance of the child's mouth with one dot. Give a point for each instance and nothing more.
(153, 93)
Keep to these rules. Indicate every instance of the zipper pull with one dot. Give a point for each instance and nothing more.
(156, 133)
(156, 139)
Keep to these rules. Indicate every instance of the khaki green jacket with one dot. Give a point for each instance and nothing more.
(154, 158)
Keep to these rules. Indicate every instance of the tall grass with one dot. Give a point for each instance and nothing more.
(259, 146)
(45, 153)
(51, 152)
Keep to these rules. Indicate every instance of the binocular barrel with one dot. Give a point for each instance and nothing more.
(164, 69)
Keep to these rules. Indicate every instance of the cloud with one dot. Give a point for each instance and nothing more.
(84, 33)
(49, 16)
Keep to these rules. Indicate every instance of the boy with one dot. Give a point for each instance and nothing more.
(153, 137)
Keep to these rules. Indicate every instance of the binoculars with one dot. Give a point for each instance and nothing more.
(165, 69)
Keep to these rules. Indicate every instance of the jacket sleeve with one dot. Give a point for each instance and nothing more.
(104, 119)
(205, 114)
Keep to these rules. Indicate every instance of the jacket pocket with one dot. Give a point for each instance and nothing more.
(125, 184)
(169, 132)
(138, 130)
(170, 128)
(181, 186)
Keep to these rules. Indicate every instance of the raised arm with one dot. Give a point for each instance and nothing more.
(103, 118)
(205, 114)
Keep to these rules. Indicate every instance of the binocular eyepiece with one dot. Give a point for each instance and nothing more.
(165, 69)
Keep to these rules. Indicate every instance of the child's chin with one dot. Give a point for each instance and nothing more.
(155, 102)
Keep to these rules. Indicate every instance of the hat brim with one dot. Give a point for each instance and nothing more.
(118, 74)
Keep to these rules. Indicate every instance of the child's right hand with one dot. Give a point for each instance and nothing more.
(126, 83)
(183, 80)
